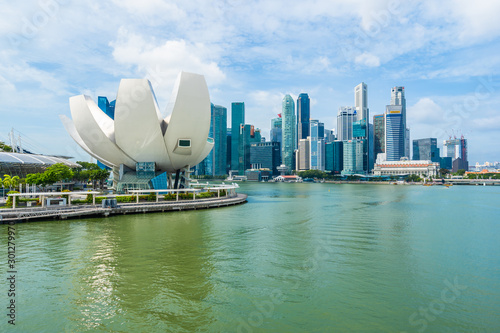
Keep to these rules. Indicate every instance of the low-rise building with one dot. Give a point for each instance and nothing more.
(422, 168)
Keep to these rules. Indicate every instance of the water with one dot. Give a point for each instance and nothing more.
(295, 258)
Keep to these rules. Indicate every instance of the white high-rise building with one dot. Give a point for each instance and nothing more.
(361, 101)
(345, 118)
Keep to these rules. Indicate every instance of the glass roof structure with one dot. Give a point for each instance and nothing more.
(16, 164)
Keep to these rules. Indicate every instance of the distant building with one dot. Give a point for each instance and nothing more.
(379, 134)
(288, 137)
(228, 151)
(106, 106)
(361, 101)
(303, 115)
(237, 119)
(248, 135)
(426, 149)
(303, 155)
(215, 163)
(334, 156)
(394, 133)
(345, 118)
(353, 151)
(398, 99)
(402, 168)
(330, 135)
(457, 150)
(265, 155)
(317, 145)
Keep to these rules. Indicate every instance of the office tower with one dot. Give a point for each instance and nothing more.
(218, 131)
(303, 155)
(378, 134)
(303, 115)
(265, 155)
(215, 162)
(330, 135)
(317, 145)
(345, 118)
(457, 150)
(228, 151)
(107, 107)
(288, 137)
(353, 157)
(276, 129)
(256, 136)
(407, 142)
(334, 156)
(237, 119)
(371, 145)
(398, 98)
(394, 133)
(426, 149)
(360, 132)
(247, 137)
(361, 101)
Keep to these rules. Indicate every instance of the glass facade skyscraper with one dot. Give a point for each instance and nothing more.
(303, 115)
(237, 119)
(426, 149)
(106, 106)
(353, 157)
(394, 133)
(334, 157)
(346, 116)
(288, 137)
(379, 134)
(317, 145)
(265, 155)
(398, 98)
(218, 131)
(361, 101)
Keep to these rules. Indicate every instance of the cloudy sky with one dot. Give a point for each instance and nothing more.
(445, 53)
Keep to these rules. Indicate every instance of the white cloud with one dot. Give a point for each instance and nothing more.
(368, 59)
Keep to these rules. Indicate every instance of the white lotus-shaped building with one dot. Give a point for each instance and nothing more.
(139, 133)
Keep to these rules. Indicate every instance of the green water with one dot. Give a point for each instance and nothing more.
(295, 258)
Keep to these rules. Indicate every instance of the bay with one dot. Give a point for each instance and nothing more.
(295, 258)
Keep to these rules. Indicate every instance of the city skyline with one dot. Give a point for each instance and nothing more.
(448, 61)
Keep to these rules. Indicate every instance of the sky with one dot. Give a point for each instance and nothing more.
(445, 53)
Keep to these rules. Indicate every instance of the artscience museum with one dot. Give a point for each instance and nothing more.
(144, 149)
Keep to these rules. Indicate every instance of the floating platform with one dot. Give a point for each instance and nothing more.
(67, 212)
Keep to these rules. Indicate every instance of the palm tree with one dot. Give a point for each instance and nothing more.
(10, 182)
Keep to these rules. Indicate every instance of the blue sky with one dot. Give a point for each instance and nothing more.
(446, 54)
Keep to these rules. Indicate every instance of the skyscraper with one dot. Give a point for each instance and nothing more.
(334, 156)
(426, 149)
(303, 115)
(288, 139)
(345, 119)
(379, 134)
(317, 145)
(361, 100)
(106, 106)
(394, 133)
(218, 131)
(398, 98)
(353, 157)
(457, 150)
(303, 155)
(265, 155)
(237, 119)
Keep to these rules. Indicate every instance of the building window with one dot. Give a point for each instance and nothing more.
(184, 143)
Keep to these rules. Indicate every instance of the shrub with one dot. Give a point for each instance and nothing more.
(8, 203)
(170, 196)
(206, 195)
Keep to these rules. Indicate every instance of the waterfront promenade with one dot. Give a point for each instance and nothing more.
(66, 212)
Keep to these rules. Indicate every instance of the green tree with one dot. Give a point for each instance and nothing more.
(10, 182)
(460, 172)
